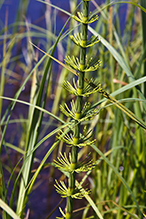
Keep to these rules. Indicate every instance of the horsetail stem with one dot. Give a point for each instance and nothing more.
(79, 111)
(79, 106)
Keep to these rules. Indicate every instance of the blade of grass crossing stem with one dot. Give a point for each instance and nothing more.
(119, 176)
(2, 84)
(111, 60)
(104, 93)
(124, 109)
(4, 63)
(119, 59)
(31, 182)
(123, 89)
(11, 106)
(1, 3)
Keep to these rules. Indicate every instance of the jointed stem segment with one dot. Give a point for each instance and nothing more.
(79, 109)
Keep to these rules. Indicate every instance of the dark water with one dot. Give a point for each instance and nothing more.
(43, 199)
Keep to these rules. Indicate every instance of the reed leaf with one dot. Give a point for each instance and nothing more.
(119, 176)
(143, 3)
(6, 208)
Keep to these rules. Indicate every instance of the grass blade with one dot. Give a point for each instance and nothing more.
(6, 208)
(143, 4)
(119, 176)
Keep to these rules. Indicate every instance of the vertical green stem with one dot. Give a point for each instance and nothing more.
(79, 105)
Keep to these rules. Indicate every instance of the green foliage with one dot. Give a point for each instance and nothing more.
(100, 123)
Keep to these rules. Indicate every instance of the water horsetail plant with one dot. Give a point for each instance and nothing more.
(79, 112)
(125, 139)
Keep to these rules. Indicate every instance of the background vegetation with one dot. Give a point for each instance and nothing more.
(31, 92)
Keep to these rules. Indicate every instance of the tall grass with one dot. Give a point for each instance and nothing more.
(117, 180)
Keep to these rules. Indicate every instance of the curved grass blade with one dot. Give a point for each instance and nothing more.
(88, 198)
(6, 208)
(11, 106)
(115, 54)
(47, 154)
(104, 93)
(107, 5)
(129, 86)
(132, 3)
(123, 89)
(143, 3)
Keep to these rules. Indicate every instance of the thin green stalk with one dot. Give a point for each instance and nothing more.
(143, 4)
(79, 106)
(127, 138)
